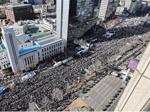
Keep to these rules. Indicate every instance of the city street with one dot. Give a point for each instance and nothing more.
(66, 76)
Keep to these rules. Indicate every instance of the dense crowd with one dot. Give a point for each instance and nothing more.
(65, 77)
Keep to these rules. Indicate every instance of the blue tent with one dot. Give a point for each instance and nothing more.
(2, 91)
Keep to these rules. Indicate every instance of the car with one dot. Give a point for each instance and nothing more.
(108, 34)
(67, 60)
(57, 64)
(84, 50)
(89, 45)
(43, 69)
(78, 48)
(27, 76)
(92, 40)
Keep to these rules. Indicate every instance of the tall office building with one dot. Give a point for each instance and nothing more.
(107, 8)
(82, 9)
(19, 12)
(76, 17)
(73, 8)
(85, 9)
(73, 14)
(10, 44)
(62, 10)
(136, 96)
(133, 5)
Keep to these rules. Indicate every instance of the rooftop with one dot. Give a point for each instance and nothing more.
(23, 38)
(27, 50)
(38, 34)
(18, 5)
(48, 39)
(39, 42)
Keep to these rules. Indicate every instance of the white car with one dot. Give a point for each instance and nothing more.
(28, 76)
(108, 34)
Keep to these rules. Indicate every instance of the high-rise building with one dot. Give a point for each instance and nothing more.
(136, 96)
(62, 13)
(75, 17)
(82, 9)
(85, 8)
(10, 44)
(132, 5)
(72, 14)
(73, 8)
(107, 8)
(19, 12)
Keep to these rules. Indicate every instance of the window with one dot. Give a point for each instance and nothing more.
(30, 58)
(25, 61)
(56, 50)
(28, 61)
(38, 54)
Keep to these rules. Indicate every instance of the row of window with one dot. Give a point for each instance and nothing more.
(5, 62)
(29, 60)
(51, 53)
(10, 16)
(51, 47)
(24, 45)
(2, 58)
